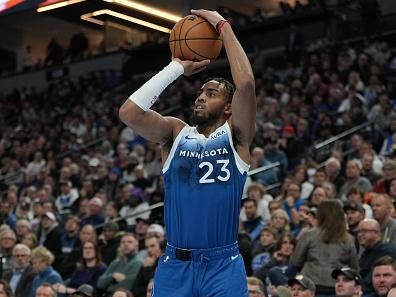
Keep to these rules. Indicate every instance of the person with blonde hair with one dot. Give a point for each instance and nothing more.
(42, 260)
(255, 287)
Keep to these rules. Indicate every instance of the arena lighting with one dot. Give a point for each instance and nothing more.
(58, 5)
(90, 18)
(147, 9)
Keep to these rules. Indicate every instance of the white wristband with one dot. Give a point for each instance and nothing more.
(148, 94)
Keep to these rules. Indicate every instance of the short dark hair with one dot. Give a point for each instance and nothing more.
(385, 261)
(228, 86)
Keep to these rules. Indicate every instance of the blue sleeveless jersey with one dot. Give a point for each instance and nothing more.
(204, 181)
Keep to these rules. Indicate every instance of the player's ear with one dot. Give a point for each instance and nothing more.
(228, 109)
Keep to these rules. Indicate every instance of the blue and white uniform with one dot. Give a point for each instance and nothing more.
(204, 181)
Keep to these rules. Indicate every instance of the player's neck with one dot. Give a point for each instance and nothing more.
(209, 128)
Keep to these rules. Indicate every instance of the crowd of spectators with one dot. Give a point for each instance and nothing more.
(77, 185)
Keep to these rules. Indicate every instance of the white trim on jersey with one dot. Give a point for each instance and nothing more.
(173, 149)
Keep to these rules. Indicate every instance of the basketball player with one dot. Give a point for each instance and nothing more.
(205, 168)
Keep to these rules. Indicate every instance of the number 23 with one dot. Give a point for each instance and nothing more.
(205, 178)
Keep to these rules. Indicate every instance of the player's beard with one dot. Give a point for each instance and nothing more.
(205, 120)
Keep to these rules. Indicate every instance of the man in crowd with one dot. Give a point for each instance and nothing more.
(21, 277)
(301, 286)
(384, 276)
(123, 270)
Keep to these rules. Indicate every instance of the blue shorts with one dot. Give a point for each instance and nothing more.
(215, 272)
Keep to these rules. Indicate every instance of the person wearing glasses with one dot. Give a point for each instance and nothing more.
(255, 287)
(369, 237)
(22, 274)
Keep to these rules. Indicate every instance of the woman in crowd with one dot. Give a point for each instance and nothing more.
(88, 270)
(325, 248)
(42, 260)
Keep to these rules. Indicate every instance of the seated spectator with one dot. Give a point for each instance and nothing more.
(22, 228)
(5, 289)
(280, 221)
(146, 273)
(7, 243)
(279, 264)
(122, 271)
(382, 212)
(70, 260)
(384, 276)
(348, 282)
(257, 192)
(84, 290)
(135, 204)
(50, 236)
(301, 285)
(369, 237)
(22, 274)
(95, 216)
(90, 267)
(67, 201)
(255, 287)
(253, 223)
(42, 260)
(264, 247)
(354, 180)
(70, 238)
(109, 242)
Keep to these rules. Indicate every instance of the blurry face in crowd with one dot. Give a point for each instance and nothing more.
(287, 247)
(46, 222)
(39, 264)
(267, 238)
(153, 247)
(353, 217)
(21, 229)
(368, 233)
(254, 291)
(319, 178)
(3, 292)
(128, 245)
(352, 170)
(87, 233)
(7, 241)
(250, 210)
(383, 278)
(278, 220)
(255, 194)
(381, 209)
(346, 288)
(299, 291)
(71, 226)
(293, 190)
(21, 257)
(45, 291)
(89, 251)
(318, 196)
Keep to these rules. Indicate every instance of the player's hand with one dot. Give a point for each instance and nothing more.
(191, 67)
(213, 17)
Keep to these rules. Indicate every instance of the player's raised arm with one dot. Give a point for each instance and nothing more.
(136, 112)
(244, 100)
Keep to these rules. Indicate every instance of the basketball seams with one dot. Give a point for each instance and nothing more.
(180, 32)
(198, 54)
(186, 37)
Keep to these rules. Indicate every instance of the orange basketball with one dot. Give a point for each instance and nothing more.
(194, 38)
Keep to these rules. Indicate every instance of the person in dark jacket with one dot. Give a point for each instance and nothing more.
(146, 272)
(22, 274)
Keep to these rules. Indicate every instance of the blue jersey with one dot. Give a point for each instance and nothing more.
(204, 181)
